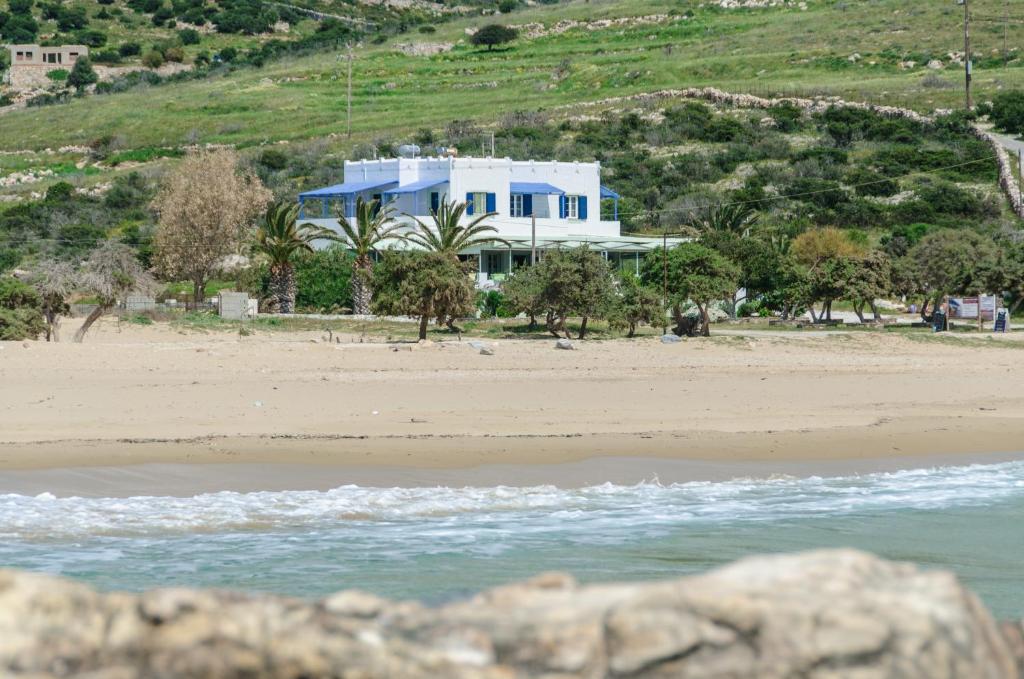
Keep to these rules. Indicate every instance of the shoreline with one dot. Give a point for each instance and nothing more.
(186, 467)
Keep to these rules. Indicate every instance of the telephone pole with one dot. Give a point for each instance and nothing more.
(349, 46)
(967, 56)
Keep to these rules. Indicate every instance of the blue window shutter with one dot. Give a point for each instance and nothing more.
(492, 202)
(561, 207)
(527, 204)
(435, 201)
(512, 204)
(582, 207)
(469, 203)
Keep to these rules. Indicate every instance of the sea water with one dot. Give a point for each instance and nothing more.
(437, 544)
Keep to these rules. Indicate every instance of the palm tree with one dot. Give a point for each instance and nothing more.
(372, 225)
(736, 219)
(279, 237)
(447, 234)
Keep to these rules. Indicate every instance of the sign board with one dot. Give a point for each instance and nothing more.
(1002, 323)
(233, 305)
(968, 307)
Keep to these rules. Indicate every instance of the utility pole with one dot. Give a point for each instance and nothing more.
(349, 45)
(533, 239)
(967, 56)
(664, 279)
(492, 144)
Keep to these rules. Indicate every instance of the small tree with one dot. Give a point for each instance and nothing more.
(111, 272)
(280, 238)
(55, 281)
(829, 256)
(493, 34)
(427, 285)
(206, 208)
(82, 75)
(948, 262)
(576, 282)
(637, 303)
(871, 278)
(524, 292)
(1008, 111)
(697, 274)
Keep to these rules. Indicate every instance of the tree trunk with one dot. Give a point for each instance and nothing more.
(550, 324)
(858, 308)
(632, 330)
(450, 324)
(424, 321)
(874, 310)
(705, 321)
(282, 285)
(52, 326)
(362, 291)
(810, 310)
(828, 310)
(583, 327)
(89, 320)
(198, 292)
(924, 311)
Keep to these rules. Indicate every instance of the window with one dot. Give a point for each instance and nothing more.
(572, 207)
(435, 201)
(19, 56)
(517, 205)
(479, 203)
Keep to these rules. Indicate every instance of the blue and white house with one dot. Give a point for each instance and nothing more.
(541, 204)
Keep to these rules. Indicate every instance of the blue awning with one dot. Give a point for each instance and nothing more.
(608, 193)
(348, 188)
(418, 186)
(536, 188)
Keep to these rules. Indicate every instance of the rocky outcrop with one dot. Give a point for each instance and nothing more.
(815, 615)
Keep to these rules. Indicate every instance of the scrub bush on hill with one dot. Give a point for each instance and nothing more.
(1008, 111)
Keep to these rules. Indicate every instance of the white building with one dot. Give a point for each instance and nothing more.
(538, 204)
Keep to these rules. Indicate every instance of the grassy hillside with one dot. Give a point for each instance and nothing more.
(569, 56)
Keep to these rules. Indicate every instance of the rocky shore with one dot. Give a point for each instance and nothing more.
(814, 615)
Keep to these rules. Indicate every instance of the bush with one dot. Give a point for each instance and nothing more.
(175, 54)
(189, 36)
(506, 6)
(129, 49)
(107, 57)
(92, 38)
(427, 28)
(57, 75)
(228, 54)
(152, 59)
(273, 159)
(324, 280)
(82, 75)
(20, 311)
(1008, 111)
(162, 16)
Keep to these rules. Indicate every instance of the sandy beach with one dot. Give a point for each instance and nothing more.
(152, 395)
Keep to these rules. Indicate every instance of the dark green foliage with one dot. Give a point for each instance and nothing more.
(244, 16)
(228, 54)
(867, 183)
(1008, 111)
(787, 117)
(493, 34)
(75, 240)
(324, 280)
(82, 75)
(59, 192)
(67, 18)
(273, 159)
(20, 311)
(696, 274)
(162, 15)
(91, 37)
(428, 285)
(189, 36)
(19, 28)
(107, 57)
(506, 6)
(129, 49)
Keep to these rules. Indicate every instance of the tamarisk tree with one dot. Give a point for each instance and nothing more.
(206, 209)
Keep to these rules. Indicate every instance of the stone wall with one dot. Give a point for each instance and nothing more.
(818, 615)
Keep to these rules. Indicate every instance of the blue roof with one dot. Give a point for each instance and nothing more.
(536, 188)
(418, 186)
(608, 193)
(347, 188)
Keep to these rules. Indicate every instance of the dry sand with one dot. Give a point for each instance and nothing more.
(134, 395)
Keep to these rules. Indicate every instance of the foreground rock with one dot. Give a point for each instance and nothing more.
(815, 615)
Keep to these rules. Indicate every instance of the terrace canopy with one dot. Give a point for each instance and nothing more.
(536, 189)
(608, 193)
(346, 191)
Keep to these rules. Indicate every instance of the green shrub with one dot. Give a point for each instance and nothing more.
(1008, 111)
(20, 311)
(324, 280)
(152, 59)
(273, 159)
(506, 6)
(92, 38)
(129, 49)
(189, 36)
(57, 75)
(427, 28)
